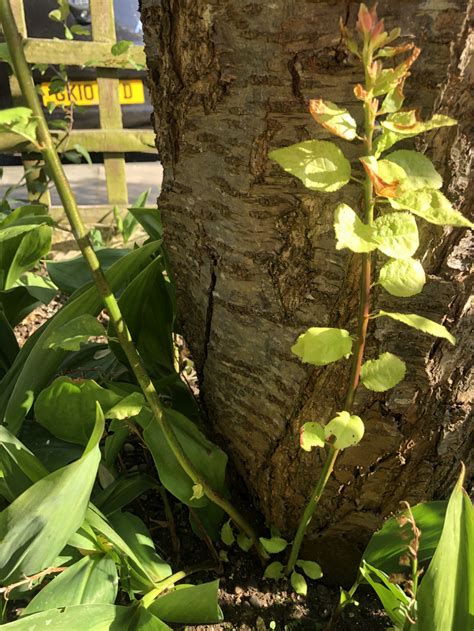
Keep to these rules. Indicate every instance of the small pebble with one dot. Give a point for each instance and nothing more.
(128, 448)
(255, 601)
(238, 590)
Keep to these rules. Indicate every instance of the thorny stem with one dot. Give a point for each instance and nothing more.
(28, 580)
(81, 234)
(362, 324)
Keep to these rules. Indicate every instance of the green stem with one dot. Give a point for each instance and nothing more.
(358, 354)
(81, 234)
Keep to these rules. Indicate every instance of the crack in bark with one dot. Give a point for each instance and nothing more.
(209, 313)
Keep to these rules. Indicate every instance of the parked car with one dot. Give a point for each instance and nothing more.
(136, 107)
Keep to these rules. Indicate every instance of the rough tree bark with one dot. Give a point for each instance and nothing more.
(254, 259)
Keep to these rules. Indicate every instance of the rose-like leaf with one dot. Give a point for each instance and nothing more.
(336, 120)
(419, 170)
(383, 373)
(351, 232)
(312, 435)
(321, 345)
(432, 206)
(274, 570)
(420, 323)
(396, 234)
(401, 125)
(310, 568)
(273, 545)
(227, 534)
(298, 582)
(346, 429)
(319, 164)
(402, 277)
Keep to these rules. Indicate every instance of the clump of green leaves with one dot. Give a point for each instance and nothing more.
(400, 187)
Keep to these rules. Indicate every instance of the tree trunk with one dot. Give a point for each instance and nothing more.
(255, 264)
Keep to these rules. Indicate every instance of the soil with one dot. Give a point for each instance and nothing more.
(248, 601)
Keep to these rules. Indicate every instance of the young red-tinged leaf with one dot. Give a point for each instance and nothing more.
(336, 120)
(312, 435)
(383, 187)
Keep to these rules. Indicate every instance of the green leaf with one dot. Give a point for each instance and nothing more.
(189, 604)
(432, 206)
(129, 537)
(336, 120)
(35, 365)
(351, 232)
(420, 172)
(273, 545)
(122, 47)
(79, 29)
(389, 543)
(19, 467)
(72, 274)
(227, 534)
(19, 120)
(82, 151)
(76, 332)
(91, 580)
(298, 582)
(319, 164)
(396, 235)
(122, 491)
(402, 277)
(310, 568)
(244, 542)
(321, 345)
(312, 435)
(394, 600)
(9, 347)
(446, 595)
(420, 323)
(127, 407)
(209, 461)
(383, 373)
(346, 429)
(37, 525)
(274, 571)
(133, 531)
(67, 407)
(91, 617)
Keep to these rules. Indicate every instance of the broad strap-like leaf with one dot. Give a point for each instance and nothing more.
(189, 604)
(319, 164)
(393, 598)
(37, 525)
(92, 580)
(70, 336)
(445, 597)
(35, 364)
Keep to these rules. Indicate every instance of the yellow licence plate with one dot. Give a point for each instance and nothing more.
(87, 93)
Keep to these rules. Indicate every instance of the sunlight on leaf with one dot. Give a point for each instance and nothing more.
(402, 277)
(420, 323)
(312, 435)
(336, 120)
(321, 345)
(351, 232)
(346, 429)
(383, 373)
